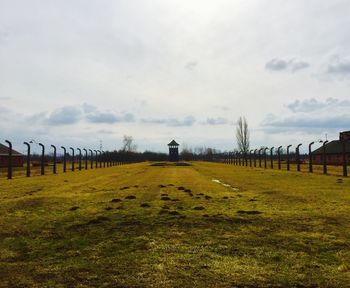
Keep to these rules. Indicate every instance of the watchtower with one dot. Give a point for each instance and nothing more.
(173, 151)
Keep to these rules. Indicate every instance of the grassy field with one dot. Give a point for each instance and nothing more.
(204, 225)
(304, 167)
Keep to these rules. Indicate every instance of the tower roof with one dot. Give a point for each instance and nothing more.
(173, 143)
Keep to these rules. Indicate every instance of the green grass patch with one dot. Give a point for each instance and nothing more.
(201, 225)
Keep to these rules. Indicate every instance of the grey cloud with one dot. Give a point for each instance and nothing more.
(291, 65)
(312, 104)
(308, 123)
(109, 117)
(71, 115)
(87, 108)
(102, 117)
(94, 115)
(173, 122)
(3, 36)
(191, 65)
(5, 113)
(216, 121)
(339, 67)
(64, 116)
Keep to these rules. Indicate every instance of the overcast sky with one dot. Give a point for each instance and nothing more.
(74, 72)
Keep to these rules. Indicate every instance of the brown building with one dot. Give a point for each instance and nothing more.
(17, 158)
(334, 151)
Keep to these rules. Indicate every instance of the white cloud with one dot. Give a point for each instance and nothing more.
(204, 59)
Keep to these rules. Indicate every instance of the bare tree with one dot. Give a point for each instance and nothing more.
(242, 135)
(128, 145)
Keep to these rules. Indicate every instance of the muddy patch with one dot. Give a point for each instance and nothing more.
(251, 212)
(116, 200)
(74, 208)
(130, 197)
(98, 220)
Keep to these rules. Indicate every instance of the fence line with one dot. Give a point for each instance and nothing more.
(255, 157)
(101, 159)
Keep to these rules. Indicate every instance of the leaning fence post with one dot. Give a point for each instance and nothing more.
(91, 159)
(288, 162)
(310, 157)
(99, 158)
(79, 157)
(42, 158)
(324, 157)
(104, 159)
(265, 157)
(297, 155)
(86, 159)
(279, 157)
(255, 157)
(250, 158)
(259, 153)
(64, 159)
(54, 159)
(95, 158)
(9, 163)
(28, 158)
(271, 156)
(72, 157)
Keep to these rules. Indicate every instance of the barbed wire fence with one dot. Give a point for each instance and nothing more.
(14, 164)
(275, 158)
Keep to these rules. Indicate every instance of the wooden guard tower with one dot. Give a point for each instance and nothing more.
(173, 151)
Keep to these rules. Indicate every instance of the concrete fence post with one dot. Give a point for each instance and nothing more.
(271, 157)
(42, 158)
(72, 157)
(64, 159)
(297, 156)
(310, 157)
(324, 157)
(28, 159)
(288, 160)
(279, 157)
(9, 163)
(54, 159)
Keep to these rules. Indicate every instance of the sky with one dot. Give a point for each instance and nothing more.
(76, 72)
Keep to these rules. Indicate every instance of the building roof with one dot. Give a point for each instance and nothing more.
(173, 143)
(334, 147)
(4, 151)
